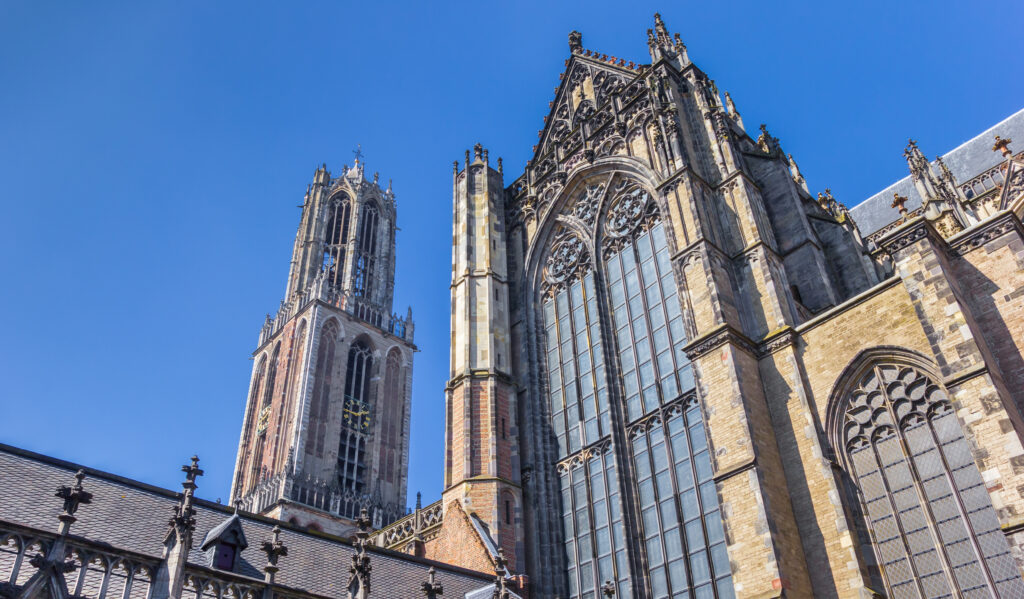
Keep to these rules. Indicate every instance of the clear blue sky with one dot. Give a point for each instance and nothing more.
(152, 155)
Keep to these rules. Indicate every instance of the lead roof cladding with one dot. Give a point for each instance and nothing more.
(132, 516)
(966, 161)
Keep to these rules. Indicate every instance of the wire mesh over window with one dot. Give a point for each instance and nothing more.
(629, 289)
(935, 531)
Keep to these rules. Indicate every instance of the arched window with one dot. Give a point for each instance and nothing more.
(366, 256)
(930, 516)
(336, 239)
(629, 290)
(292, 376)
(321, 400)
(251, 424)
(268, 390)
(391, 416)
(357, 420)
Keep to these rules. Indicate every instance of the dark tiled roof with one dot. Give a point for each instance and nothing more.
(132, 516)
(969, 159)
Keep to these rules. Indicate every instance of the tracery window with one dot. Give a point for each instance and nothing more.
(352, 445)
(336, 239)
(630, 289)
(931, 519)
(365, 266)
(321, 401)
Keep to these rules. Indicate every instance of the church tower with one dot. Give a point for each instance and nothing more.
(482, 468)
(326, 426)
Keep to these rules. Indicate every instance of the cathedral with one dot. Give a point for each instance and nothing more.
(675, 372)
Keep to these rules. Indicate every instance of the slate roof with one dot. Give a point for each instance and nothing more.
(966, 161)
(132, 516)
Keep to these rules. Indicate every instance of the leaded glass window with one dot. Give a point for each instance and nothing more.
(934, 529)
(629, 290)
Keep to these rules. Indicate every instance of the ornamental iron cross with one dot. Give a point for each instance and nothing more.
(358, 152)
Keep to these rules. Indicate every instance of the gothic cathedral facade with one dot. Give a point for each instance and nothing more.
(676, 373)
(326, 426)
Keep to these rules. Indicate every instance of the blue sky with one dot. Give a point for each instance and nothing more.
(152, 155)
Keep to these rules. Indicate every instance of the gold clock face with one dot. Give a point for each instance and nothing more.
(356, 414)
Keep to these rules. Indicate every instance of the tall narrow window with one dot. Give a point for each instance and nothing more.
(250, 425)
(321, 401)
(366, 255)
(392, 401)
(357, 420)
(336, 239)
(293, 374)
(632, 294)
(934, 529)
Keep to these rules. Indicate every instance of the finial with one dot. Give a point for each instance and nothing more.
(898, 202)
(500, 572)
(183, 522)
(487, 158)
(360, 568)
(358, 153)
(575, 41)
(73, 497)
(500, 169)
(419, 499)
(431, 588)
(376, 178)
(274, 549)
(1003, 145)
(608, 589)
(455, 166)
(477, 152)
(191, 472)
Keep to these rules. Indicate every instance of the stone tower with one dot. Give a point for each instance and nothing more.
(326, 428)
(482, 469)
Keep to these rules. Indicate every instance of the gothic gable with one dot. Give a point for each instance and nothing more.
(587, 84)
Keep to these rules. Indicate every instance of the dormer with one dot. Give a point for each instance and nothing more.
(224, 543)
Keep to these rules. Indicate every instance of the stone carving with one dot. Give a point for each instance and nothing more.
(567, 254)
(909, 397)
(627, 210)
(585, 207)
(992, 230)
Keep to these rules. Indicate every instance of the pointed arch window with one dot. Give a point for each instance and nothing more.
(931, 519)
(320, 405)
(630, 291)
(357, 421)
(336, 239)
(365, 266)
(392, 415)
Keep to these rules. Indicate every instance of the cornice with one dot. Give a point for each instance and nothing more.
(716, 338)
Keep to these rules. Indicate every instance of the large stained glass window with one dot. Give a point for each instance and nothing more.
(629, 290)
(934, 529)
